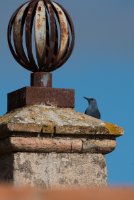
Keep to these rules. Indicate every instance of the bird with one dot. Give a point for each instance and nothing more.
(92, 109)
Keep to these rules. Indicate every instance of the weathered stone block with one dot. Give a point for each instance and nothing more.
(52, 169)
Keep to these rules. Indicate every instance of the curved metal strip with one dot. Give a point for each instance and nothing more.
(52, 36)
(49, 56)
(72, 43)
(40, 31)
(29, 24)
(18, 32)
(46, 49)
(9, 32)
(64, 32)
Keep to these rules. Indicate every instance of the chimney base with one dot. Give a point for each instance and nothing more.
(48, 170)
(46, 146)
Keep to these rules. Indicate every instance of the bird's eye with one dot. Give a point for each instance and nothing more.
(91, 99)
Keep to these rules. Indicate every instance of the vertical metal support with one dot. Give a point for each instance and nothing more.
(41, 79)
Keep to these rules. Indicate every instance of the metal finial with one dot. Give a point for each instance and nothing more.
(41, 35)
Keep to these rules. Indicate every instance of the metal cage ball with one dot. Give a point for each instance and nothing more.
(41, 35)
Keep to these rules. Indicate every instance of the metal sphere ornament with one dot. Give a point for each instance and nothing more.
(41, 35)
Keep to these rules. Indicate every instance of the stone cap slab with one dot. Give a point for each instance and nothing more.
(48, 120)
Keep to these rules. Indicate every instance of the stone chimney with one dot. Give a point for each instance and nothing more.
(44, 141)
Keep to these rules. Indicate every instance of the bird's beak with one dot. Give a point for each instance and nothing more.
(85, 98)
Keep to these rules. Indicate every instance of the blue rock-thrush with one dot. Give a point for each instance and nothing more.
(92, 108)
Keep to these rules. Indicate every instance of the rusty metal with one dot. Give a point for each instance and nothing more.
(41, 79)
(64, 38)
(49, 26)
(15, 55)
(40, 30)
(63, 98)
(17, 34)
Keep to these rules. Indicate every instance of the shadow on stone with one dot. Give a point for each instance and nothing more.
(6, 162)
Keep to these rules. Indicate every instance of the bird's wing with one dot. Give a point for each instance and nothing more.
(86, 111)
(99, 115)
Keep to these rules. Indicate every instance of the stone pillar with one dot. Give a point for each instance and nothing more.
(43, 141)
(46, 146)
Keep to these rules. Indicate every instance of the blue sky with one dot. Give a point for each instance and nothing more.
(101, 66)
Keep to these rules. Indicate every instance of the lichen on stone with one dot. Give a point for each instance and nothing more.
(114, 129)
(51, 119)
